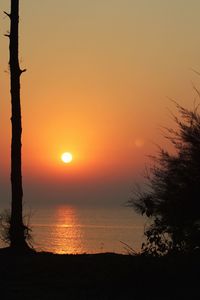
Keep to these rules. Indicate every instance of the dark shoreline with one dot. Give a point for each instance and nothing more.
(43, 276)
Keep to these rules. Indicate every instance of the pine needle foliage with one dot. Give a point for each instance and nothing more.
(171, 200)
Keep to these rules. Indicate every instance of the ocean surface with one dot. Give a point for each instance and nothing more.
(73, 229)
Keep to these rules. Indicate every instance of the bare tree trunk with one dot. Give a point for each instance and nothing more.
(17, 228)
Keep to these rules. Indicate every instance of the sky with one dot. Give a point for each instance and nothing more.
(99, 77)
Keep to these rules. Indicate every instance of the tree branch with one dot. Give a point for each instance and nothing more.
(22, 71)
(7, 14)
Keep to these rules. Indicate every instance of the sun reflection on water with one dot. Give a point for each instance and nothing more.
(66, 234)
(71, 229)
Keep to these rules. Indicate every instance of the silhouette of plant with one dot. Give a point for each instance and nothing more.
(5, 220)
(17, 230)
(171, 199)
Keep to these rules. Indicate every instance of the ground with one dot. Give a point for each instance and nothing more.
(46, 276)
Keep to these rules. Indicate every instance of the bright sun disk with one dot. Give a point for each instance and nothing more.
(66, 157)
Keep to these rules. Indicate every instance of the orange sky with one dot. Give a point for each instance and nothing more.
(99, 73)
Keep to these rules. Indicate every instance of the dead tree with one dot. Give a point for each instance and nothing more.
(17, 232)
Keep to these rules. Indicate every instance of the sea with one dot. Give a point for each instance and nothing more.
(68, 229)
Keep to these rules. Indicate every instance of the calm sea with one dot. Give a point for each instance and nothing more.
(72, 229)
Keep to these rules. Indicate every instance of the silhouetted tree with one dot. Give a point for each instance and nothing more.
(17, 231)
(171, 199)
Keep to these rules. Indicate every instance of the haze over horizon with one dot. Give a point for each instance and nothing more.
(98, 76)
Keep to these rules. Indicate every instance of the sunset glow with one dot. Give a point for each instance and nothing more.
(97, 89)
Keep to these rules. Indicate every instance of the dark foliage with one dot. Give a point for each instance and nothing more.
(171, 200)
(5, 225)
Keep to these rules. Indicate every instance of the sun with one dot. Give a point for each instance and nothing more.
(66, 157)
